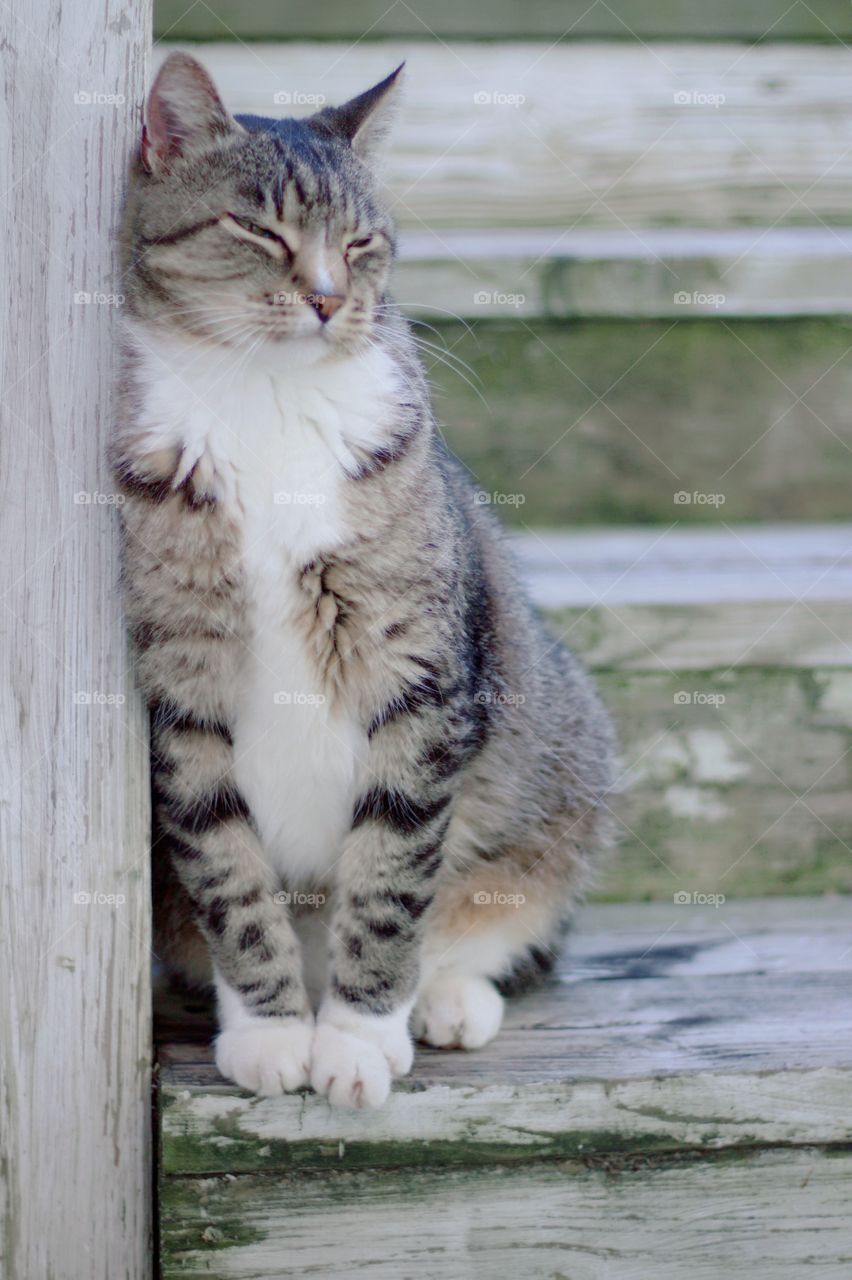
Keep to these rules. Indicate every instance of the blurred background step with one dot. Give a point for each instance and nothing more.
(608, 421)
(658, 272)
(583, 135)
(288, 20)
(725, 657)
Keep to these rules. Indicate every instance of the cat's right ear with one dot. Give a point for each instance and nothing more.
(184, 113)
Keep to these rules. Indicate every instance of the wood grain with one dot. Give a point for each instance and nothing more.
(678, 1098)
(765, 1215)
(684, 273)
(584, 135)
(653, 1006)
(74, 906)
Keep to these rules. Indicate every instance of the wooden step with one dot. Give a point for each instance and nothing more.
(678, 273)
(675, 1102)
(725, 656)
(583, 135)
(287, 20)
(607, 421)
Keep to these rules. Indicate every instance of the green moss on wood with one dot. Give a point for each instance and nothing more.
(681, 404)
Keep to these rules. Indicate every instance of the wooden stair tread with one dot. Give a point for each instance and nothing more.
(723, 565)
(374, 20)
(652, 272)
(583, 134)
(669, 1026)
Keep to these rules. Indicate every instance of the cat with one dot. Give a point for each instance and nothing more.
(379, 783)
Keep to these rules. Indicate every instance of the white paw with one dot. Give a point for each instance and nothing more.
(458, 1012)
(356, 1056)
(269, 1057)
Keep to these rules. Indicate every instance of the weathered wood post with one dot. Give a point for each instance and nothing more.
(74, 909)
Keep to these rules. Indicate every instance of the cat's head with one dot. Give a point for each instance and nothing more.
(244, 229)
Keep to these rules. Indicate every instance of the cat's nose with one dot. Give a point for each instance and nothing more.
(325, 304)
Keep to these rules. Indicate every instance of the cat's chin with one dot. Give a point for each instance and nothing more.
(297, 352)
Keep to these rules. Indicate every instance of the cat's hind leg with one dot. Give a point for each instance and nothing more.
(491, 933)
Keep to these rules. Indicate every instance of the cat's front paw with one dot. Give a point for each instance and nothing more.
(269, 1057)
(355, 1056)
(458, 1012)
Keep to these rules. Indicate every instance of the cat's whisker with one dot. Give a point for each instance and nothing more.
(430, 306)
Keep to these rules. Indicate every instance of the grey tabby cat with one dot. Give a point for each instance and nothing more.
(378, 782)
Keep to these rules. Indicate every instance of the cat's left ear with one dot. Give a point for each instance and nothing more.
(184, 113)
(365, 121)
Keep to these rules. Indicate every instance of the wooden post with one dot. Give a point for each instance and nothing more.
(74, 895)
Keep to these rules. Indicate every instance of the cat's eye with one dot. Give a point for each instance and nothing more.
(256, 233)
(359, 244)
(255, 228)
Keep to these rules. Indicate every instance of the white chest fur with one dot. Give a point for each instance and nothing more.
(274, 444)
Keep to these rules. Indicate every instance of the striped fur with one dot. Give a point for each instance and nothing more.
(413, 825)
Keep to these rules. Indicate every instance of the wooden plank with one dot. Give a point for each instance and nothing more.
(779, 563)
(675, 272)
(715, 637)
(670, 1027)
(74, 932)
(505, 1120)
(761, 1215)
(585, 135)
(604, 422)
(746, 796)
(546, 19)
(694, 1056)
